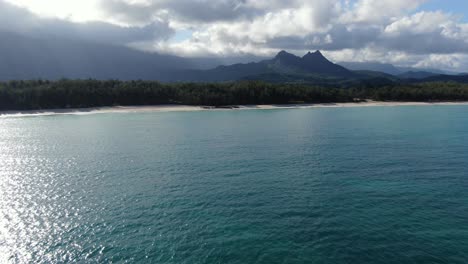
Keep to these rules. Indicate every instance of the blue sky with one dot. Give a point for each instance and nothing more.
(459, 7)
(181, 35)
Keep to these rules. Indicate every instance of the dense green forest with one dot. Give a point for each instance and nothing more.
(38, 94)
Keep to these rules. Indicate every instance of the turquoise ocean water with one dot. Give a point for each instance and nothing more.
(326, 185)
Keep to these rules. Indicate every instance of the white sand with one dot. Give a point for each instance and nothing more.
(187, 108)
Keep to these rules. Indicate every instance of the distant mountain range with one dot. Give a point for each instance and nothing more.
(312, 68)
(50, 58)
(53, 58)
(283, 66)
(416, 75)
(390, 69)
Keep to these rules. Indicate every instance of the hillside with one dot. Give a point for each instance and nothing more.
(25, 58)
(284, 67)
(51, 58)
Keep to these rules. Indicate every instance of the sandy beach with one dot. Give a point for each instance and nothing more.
(188, 108)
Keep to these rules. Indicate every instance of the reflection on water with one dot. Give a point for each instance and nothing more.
(286, 186)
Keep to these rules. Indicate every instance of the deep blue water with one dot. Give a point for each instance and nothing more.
(329, 185)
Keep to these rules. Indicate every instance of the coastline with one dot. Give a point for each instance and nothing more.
(188, 108)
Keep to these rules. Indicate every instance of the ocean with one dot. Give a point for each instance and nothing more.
(322, 185)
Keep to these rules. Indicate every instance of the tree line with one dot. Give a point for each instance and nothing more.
(40, 94)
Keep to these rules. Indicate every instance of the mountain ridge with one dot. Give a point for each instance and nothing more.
(23, 58)
(283, 64)
(390, 68)
(54, 58)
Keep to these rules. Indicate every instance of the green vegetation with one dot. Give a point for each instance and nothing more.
(33, 95)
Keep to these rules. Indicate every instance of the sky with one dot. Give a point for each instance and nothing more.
(418, 33)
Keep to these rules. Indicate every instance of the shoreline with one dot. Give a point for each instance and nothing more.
(188, 108)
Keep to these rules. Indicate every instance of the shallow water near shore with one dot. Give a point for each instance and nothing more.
(317, 185)
(191, 108)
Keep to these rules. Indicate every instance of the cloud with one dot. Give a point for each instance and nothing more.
(426, 33)
(188, 11)
(382, 30)
(451, 61)
(22, 21)
(378, 11)
(396, 31)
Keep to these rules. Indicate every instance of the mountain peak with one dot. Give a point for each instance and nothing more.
(314, 63)
(316, 55)
(284, 54)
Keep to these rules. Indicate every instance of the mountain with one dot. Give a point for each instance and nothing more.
(25, 57)
(311, 63)
(416, 75)
(372, 66)
(53, 58)
(445, 78)
(430, 70)
(391, 69)
(284, 67)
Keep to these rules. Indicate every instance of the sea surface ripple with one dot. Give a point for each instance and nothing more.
(338, 185)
